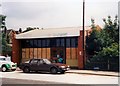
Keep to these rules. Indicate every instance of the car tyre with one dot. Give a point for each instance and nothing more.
(26, 70)
(13, 69)
(4, 69)
(53, 70)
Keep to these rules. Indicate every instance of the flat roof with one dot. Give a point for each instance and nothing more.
(51, 33)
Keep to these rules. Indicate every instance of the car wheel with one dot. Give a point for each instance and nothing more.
(26, 70)
(53, 70)
(13, 69)
(4, 69)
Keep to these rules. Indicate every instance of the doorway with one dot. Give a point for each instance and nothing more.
(58, 55)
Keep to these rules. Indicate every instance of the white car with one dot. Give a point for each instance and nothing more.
(6, 64)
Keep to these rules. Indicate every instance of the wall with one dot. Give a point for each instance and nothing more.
(15, 50)
(80, 51)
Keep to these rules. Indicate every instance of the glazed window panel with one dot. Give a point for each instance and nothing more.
(67, 42)
(52, 42)
(58, 42)
(39, 53)
(39, 43)
(43, 43)
(68, 53)
(23, 53)
(27, 43)
(23, 43)
(32, 43)
(47, 43)
(62, 42)
(35, 43)
(73, 42)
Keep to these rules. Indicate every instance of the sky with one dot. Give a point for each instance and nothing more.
(56, 13)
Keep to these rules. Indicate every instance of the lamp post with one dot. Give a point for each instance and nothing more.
(84, 33)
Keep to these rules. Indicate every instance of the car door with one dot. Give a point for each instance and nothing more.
(34, 64)
(43, 66)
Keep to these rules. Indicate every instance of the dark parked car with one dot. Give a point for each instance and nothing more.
(43, 65)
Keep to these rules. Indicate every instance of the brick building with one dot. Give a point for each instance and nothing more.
(50, 43)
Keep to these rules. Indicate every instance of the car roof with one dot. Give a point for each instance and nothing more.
(38, 59)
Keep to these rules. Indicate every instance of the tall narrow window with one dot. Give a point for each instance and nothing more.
(58, 42)
(31, 43)
(35, 43)
(67, 42)
(43, 43)
(62, 42)
(39, 43)
(47, 43)
(72, 42)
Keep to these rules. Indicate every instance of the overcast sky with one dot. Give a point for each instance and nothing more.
(56, 13)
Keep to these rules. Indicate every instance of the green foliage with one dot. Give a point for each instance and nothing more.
(30, 28)
(93, 43)
(2, 21)
(107, 53)
(103, 45)
(112, 28)
(6, 49)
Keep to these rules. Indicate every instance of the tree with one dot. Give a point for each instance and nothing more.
(2, 21)
(107, 41)
(20, 30)
(93, 43)
(112, 28)
(6, 49)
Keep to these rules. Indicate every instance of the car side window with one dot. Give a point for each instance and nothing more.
(34, 61)
(41, 62)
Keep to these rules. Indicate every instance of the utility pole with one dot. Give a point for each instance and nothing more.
(84, 34)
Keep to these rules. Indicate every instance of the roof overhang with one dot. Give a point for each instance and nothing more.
(50, 33)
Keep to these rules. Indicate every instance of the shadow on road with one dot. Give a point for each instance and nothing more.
(39, 72)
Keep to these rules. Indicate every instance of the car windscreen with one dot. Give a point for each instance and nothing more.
(27, 61)
(46, 61)
(2, 59)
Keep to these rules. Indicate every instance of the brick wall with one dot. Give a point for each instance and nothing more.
(15, 50)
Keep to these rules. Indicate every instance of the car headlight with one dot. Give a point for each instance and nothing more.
(62, 66)
(68, 66)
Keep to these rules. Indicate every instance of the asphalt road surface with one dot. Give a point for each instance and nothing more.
(23, 82)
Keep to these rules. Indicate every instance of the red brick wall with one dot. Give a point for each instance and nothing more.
(80, 51)
(15, 50)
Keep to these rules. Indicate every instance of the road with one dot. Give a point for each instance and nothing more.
(67, 78)
(24, 81)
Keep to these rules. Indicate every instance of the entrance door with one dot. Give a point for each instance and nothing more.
(58, 55)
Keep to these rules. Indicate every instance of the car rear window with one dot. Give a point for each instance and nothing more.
(34, 61)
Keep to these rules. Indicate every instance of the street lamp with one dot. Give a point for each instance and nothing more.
(84, 33)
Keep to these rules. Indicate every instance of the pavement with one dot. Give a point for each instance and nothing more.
(94, 72)
(91, 72)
